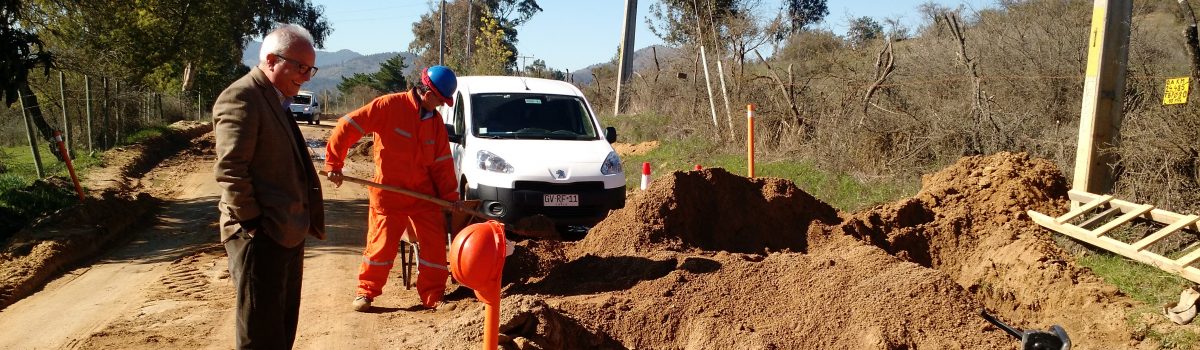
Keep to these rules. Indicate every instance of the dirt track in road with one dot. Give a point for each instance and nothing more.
(168, 287)
(702, 259)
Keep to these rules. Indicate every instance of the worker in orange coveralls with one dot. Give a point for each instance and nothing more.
(411, 151)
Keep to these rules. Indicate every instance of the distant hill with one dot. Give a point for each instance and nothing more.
(335, 65)
(643, 60)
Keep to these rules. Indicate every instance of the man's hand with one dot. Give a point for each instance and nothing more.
(335, 177)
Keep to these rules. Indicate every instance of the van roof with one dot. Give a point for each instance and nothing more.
(486, 84)
(303, 92)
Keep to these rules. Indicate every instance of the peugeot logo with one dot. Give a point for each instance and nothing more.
(559, 174)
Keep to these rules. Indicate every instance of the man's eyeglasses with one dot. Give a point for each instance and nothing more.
(305, 69)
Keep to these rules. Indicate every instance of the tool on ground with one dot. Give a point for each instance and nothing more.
(1183, 311)
(477, 261)
(1055, 339)
(529, 228)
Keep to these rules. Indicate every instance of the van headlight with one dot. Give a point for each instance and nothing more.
(491, 162)
(612, 164)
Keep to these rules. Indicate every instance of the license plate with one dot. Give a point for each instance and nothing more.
(560, 200)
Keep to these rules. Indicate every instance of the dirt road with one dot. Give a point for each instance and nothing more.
(169, 288)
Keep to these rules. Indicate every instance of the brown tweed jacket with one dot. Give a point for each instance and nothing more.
(268, 180)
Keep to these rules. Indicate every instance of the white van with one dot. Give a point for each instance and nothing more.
(528, 146)
(306, 107)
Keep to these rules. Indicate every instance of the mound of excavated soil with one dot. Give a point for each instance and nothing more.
(969, 221)
(634, 149)
(707, 259)
(710, 210)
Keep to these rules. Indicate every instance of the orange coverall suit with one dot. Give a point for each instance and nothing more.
(412, 152)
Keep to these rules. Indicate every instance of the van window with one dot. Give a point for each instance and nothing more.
(302, 99)
(531, 116)
(457, 118)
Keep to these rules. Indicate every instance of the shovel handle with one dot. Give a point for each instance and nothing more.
(441, 202)
(1016, 333)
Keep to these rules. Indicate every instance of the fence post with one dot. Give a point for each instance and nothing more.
(104, 117)
(120, 108)
(158, 103)
(87, 96)
(199, 106)
(62, 93)
(144, 108)
(37, 158)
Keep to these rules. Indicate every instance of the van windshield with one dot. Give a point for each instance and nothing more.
(531, 116)
(301, 99)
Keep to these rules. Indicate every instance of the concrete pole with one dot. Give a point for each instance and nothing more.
(708, 84)
(1103, 91)
(442, 34)
(627, 46)
(470, 19)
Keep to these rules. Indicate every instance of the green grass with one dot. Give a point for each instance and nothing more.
(1149, 285)
(842, 191)
(27, 201)
(144, 134)
(1142, 282)
(21, 171)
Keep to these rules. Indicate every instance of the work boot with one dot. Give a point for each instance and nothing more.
(362, 303)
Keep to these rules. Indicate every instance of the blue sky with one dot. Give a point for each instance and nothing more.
(567, 34)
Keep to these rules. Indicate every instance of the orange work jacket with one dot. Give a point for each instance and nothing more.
(411, 151)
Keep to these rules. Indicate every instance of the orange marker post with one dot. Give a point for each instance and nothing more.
(62, 149)
(477, 261)
(750, 139)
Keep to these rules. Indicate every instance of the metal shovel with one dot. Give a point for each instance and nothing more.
(1056, 339)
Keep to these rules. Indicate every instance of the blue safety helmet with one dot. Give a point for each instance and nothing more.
(442, 81)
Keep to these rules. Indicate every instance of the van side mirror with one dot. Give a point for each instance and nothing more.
(610, 134)
(316, 104)
(454, 138)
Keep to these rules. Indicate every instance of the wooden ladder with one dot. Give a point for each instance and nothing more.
(1109, 206)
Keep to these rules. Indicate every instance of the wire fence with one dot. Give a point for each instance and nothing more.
(91, 113)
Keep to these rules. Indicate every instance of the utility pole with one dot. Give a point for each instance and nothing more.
(470, 19)
(1103, 90)
(627, 46)
(521, 69)
(442, 34)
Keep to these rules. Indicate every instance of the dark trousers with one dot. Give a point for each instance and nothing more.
(267, 276)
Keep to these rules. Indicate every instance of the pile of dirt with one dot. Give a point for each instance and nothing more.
(707, 259)
(969, 221)
(710, 210)
(634, 149)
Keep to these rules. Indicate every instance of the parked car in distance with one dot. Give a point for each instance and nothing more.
(528, 146)
(306, 107)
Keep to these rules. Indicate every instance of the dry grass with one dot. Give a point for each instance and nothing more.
(1029, 56)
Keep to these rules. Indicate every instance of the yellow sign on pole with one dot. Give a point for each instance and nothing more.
(1176, 91)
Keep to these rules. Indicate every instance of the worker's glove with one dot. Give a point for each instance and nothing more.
(335, 177)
